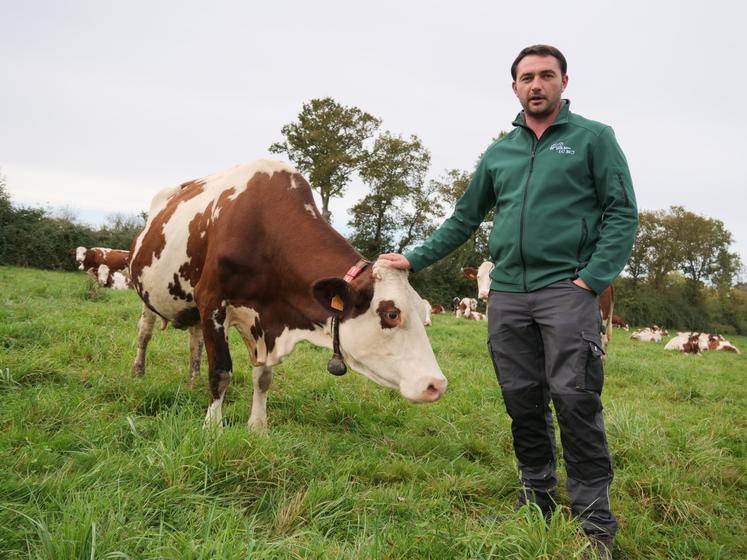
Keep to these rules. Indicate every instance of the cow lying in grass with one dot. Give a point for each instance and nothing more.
(649, 334)
(696, 342)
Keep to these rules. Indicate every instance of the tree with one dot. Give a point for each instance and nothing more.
(396, 208)
(703, 244)
(326, 143)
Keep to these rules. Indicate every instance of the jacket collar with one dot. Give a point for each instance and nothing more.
(562, 117)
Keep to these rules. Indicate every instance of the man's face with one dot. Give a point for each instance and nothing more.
(539, 84)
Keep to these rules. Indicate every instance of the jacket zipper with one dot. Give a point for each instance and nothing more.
(523, 209)
(581, 243)
(622, 188)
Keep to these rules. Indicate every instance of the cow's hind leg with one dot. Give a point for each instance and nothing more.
(145, 331)
(219, 362)
(195, 353)
(261, 378)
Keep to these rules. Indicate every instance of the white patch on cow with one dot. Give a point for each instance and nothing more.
(427, 320)
(294, 185)
(214, 416)
(311, 209)
(80, 255)
(483, 279)
(160, 273)
(120, 281)
(102, 275)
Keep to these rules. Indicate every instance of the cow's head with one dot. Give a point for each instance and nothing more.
(382, 334)
(80, 256)
(483, 279)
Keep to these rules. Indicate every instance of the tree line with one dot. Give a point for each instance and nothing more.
(681, 273)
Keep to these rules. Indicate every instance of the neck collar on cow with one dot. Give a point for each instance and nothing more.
(355, 270)
(336, 365)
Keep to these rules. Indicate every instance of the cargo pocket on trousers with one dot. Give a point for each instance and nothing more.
(589, 370)
(495, 363)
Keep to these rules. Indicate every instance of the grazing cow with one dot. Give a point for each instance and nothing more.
(606, 298)
(437, 308)
(116, 280)
(620, 323)
(248, 248)
(649, 334)
(89, 260)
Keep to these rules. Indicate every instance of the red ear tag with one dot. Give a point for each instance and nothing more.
(337, 303)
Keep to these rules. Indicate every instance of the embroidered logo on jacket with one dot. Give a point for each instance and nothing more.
(561, 148)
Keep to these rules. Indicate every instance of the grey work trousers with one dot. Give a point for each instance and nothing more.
(546, 345)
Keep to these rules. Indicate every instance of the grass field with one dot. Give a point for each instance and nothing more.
(97, 464)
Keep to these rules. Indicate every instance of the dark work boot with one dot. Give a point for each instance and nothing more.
(602, 544)
(546, 500)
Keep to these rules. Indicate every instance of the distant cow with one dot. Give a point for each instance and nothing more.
(437, 308)
(649, 334)
(695, 342)
(248, 248)
(427, 320)
(89, 260)
(606, 298)
(117, 280)
(465, 307)
(620, 323)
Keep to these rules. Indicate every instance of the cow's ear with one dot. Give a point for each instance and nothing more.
(333, 294)
(470, 272)
(72, 251)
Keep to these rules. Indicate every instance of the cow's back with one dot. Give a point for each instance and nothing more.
(191, 224)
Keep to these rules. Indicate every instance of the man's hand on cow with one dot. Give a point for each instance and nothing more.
(396, 260)
(581, 284)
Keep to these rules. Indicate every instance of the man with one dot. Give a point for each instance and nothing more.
(565, 220)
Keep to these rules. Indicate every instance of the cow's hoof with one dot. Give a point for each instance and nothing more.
(138, 371)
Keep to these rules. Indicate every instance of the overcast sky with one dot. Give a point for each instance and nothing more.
(104, 103)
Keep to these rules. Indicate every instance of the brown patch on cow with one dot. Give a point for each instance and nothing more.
(115, 259)
(256, 329)
(153, 237)
(692, 346)
(186, 318)
(389, 314)
(176, 290)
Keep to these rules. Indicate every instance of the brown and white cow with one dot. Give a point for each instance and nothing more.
(89, 260)
(248, 248)
(695, 342)
(649, 334)
(116, 280)
(606, 298)
(437, 308)
(465, 307)
(620, 323)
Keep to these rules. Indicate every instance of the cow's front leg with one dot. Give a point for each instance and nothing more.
(145, 332)
(214, 333)
(261, 378)
(195, 353)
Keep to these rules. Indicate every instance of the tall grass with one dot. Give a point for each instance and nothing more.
(97, 464)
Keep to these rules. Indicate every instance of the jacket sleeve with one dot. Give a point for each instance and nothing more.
(468, 214)
(614, 191)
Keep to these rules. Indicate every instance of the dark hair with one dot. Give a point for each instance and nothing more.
(540, 50)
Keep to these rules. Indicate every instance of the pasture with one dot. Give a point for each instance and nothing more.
(97, 464)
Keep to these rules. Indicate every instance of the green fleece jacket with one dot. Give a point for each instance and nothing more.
(564, 207)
